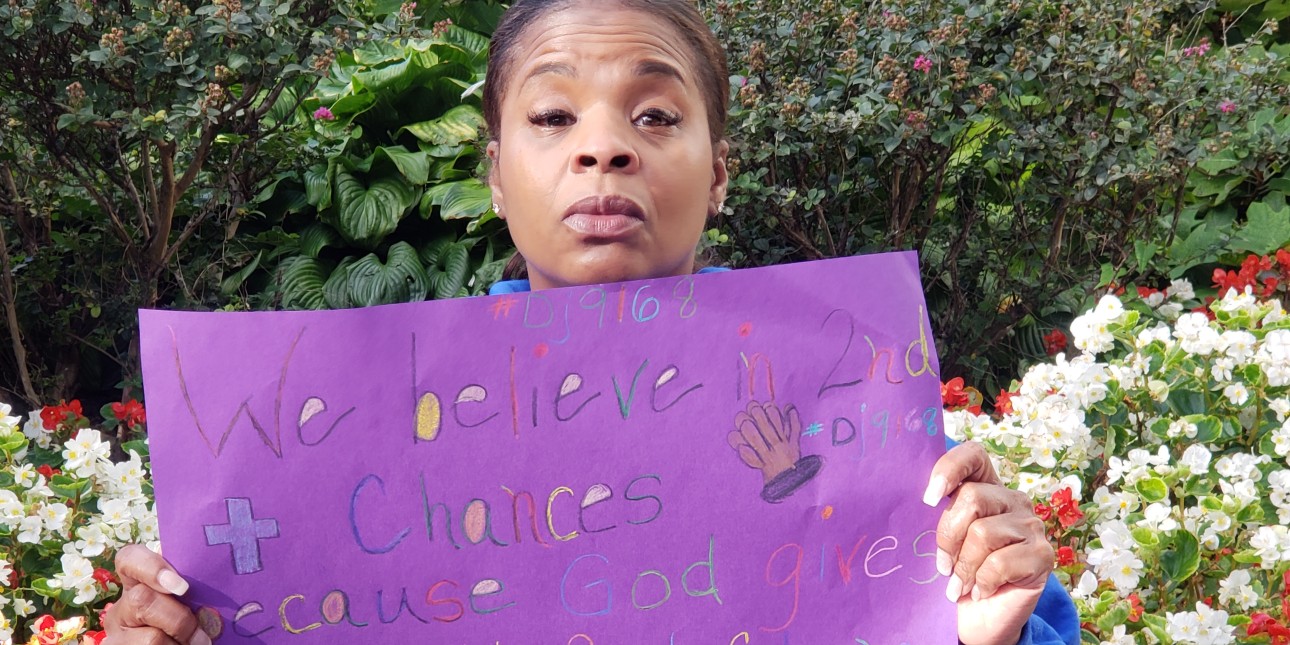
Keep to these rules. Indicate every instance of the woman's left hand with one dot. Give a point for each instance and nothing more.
(990, 544)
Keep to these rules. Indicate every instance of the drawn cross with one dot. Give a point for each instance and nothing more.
(244, 533)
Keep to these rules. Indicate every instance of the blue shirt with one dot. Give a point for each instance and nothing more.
(1055, 621)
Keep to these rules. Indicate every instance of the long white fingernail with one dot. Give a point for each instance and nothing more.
(935, 491)
(944, 564)
(199, 638)
(170, 581)
(976, 592)
(955, 589)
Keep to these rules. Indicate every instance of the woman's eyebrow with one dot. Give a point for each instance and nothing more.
(562, 69)
(658, 68)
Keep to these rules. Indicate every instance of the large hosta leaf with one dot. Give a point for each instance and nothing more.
(315, 237)
(450, 270)
(458, 199)
(336, 291)
(461, 123)
(414, 166)
(401, 278)
(302, 283)
(366, 211)
(318, 186)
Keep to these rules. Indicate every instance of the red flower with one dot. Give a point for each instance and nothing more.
(48, 471)
(52, 417)
(1065, 556)
(952, 393)
(1055, 342)
(95, 637)
(130, 413)
(1261, 623)
(46, 631)
(1135, 608)
(105, 577)
(1068, 513)
(1044, 511)
(1003, 402)
(1283, 258)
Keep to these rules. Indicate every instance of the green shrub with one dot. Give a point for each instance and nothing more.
(1019, 147)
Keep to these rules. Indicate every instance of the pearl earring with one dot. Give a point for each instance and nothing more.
(496, 208)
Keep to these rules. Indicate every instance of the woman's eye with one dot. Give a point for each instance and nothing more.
(551, 119)
(655, 117)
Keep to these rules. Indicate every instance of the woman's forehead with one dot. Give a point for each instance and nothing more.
(570, 41)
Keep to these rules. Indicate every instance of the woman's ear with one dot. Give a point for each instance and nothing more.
(720, 176)
(494, 182)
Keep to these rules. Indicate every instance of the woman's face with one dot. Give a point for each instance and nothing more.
(604, 167)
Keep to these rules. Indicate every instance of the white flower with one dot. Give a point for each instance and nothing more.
(1027, 482)
(1196, 458)
(77, 575)
(92, 541)
(84, 452)
(1086, 586)
(55, 516)
(1119, 503)
(1271, 544)
(1181, 289)
(1235, 589)
(1091, 334)
(1237, 393)
(1159, 517)
(1238, 302)
(29, 529)
(1183, 627)
(1115, 559)
(11, 509)
(23, 607)
(1214, 629)
(5, 570)
(1109, 308)
(1181, 428)
(35, 430)
(1238, 345)
(8, 423)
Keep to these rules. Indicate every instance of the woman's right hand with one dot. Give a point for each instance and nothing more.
(148, 612)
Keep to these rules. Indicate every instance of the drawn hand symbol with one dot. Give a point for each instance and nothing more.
(770, 441)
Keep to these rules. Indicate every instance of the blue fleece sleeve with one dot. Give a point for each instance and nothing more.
(1055, 621)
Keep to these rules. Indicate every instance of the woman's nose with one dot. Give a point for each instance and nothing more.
(604, 146)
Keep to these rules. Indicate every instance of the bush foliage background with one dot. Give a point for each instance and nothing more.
(259, 154)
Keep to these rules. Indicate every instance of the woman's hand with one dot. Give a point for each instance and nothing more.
(990, 544)
(148, 612)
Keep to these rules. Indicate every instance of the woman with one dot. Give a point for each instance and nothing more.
(607, 122)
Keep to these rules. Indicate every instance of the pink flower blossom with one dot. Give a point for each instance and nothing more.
(324, 114)
(1198, 50)
(923, 64)
(1227, 107)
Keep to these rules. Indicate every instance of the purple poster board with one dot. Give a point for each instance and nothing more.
(581, 466)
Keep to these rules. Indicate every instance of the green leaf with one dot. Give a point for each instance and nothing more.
(13, 443)
(138, 445)
(302, 283)
(318, 186)
(1267, 228)
(316, 237)
(1218, 163)
(1152, 489)
(400, 279)
(1146, 536)
(458, 200)
(460, 124)
(391, 78)
(231, 284)
(414, 166)
(450, 271)
(1181, 561)
(1216, 187)
(367, 212)
(1118, 615)
(41, 586)
(1208, 427)
(68, 486)
(376, 51)
(336, 290)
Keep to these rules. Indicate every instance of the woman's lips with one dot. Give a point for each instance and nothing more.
(604, 217)
(602, 226)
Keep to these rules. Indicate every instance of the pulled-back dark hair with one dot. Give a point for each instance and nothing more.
(713, 75)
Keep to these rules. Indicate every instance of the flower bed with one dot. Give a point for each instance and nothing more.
(65, 508)
(1158, 458)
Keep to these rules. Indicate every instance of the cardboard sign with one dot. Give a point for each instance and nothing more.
(733, 457)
